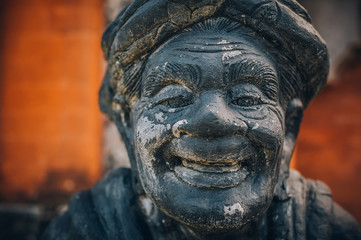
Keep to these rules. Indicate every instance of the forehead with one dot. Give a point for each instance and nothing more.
(215, 49)
(210, 60)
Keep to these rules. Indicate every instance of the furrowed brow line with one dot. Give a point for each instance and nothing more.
(161, 76)
(266, 77)
(213, 47)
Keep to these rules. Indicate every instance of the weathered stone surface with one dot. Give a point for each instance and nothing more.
(208, 97)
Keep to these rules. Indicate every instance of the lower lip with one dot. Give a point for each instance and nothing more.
(210, 179)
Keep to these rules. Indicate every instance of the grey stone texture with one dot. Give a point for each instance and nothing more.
(208, 97)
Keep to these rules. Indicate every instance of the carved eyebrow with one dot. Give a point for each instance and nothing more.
(213, 47)
(161, 76)
(251, 71)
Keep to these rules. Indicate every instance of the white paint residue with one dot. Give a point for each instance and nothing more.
(168, 126)
(146, 205)
(228, 55)
(148, 130)
(255, 126)
(230, 210)
(159, 117)
(175, 128)
(223, 42)
(225, 48)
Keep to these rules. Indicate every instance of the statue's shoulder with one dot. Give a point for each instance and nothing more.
(98, 213)
(324, 218)
(80, 221)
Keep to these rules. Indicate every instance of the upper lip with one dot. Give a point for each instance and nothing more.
(222, 152)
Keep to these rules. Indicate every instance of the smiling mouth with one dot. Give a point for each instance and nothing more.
(211, 167)
(210, 176)
(212, 164)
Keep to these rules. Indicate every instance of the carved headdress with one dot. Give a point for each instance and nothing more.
(145, 24)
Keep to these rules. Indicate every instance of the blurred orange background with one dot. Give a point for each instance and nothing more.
(51, 69)
(52, 132)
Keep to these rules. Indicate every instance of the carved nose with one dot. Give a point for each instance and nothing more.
(211, 119)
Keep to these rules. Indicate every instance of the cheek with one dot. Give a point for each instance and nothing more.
(150, 133)
(154, 127)
(148, 137)
(255, 113)
(269, 130)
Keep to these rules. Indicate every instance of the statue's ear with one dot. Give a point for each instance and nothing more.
(123, 120)
(293, 120)
(294, 114)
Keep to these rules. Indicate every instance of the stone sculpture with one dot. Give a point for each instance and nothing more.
(208, 97)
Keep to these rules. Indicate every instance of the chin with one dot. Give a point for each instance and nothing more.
(209, 209)
(221, 197)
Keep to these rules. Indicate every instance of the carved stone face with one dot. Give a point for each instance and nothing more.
(209, 129)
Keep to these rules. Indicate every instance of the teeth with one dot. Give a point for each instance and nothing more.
(210, 180)
(211, 168)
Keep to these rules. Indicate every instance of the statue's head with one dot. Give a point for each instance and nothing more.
(208, 97)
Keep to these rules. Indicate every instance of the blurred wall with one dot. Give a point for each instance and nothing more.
(50, 71)
(329, 143)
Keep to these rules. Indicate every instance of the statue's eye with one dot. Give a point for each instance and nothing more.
(176, 102)
(174, 96)
(246, 101)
